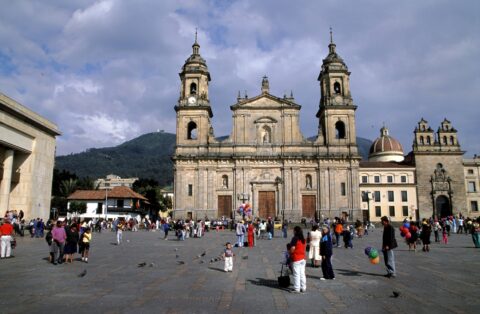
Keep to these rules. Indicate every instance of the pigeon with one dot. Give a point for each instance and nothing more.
(83, 273)
(201, 262)
(151, 264)
(142, 264)
(396, 294)
(177, 256)
(175, 249)
(204, 253)
(245, 257)
(180, 262)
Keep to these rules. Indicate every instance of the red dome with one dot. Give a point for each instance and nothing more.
(385, 145)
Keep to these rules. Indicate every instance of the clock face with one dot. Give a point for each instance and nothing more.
(192, 100)
(338, 100)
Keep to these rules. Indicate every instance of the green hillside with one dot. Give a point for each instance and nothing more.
(147, 156)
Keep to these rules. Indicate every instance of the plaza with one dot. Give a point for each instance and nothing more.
(176, 278)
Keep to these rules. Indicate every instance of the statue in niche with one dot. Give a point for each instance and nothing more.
(308, 184)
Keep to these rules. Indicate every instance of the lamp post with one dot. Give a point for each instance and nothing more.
(367, 198)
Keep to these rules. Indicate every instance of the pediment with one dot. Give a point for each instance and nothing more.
(265, 101)
(265, 119)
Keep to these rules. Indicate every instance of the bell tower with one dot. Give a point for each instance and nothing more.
(336, 111)
(193, 108)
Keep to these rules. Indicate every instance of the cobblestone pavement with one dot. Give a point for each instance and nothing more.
(442, 281)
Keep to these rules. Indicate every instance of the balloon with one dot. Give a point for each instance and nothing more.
(367, 250)
(406, 225)
(373, 253)
(408, 236)
(402, 234)
(375, 260)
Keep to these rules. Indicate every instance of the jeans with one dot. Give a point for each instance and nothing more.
(240, 239)
(119, 237)
(58, 251)
(284, 230)
(5, 246)
(327, 268)
(299, 278)
(389, 258)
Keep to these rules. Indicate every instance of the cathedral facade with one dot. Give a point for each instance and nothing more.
(266, 161)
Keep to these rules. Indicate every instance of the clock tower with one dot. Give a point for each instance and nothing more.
(193, 108)
(337, 111)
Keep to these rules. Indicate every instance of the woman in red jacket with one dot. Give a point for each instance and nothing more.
(297, 255)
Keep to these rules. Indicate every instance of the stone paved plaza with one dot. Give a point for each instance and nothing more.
(442, 281)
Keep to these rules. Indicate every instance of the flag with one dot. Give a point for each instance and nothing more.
(138, 204)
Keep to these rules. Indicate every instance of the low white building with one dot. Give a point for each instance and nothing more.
(119, 201)
(113, 180)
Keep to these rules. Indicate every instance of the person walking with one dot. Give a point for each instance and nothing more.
(476, 233)
(85, 244)
(251, 233)
(58, 236)
(425, 235)
(297, 254)
(326, 248)
(314, 252)
(388, 244)
(6, 236)
(240, 231)
(338, 231)
(284, 229)
(228, 257)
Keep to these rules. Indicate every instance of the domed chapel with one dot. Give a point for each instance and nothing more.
(266, 161)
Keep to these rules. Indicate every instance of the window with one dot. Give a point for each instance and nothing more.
(403, 179)
(378, 211)
(452, 140)
(193, 89)
(99, 208)
(190, 190)
(422, 142)
(471, 186)
(405, 211)
(470, 171)
(364, 179)
(192, 131)
(428, 140)
(343, 189)
(474, 206)
(340, 130)
(390, 196)
(336, 88)
(376, 179)
(120, 203)
(376, 196)
(445, 140)
(391, 211)
(390, 179)
(404, 196)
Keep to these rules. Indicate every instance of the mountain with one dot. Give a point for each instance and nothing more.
(147, 156)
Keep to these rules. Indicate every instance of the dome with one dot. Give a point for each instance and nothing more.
(386, 148)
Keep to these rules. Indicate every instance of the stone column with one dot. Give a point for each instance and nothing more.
(6, 181)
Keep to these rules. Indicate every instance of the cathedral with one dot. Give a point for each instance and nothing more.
(266, 161)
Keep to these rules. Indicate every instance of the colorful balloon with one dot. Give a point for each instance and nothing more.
(408, 236)
(375, 260)
(373, 253)
(367, 250)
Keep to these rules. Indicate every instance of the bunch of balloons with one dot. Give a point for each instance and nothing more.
(372, 254)
(245, 209)
(404, 231)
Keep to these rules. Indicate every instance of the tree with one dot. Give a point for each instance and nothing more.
(78, 207)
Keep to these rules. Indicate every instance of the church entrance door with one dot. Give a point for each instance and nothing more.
(224, 206)
(442, 205)
(266, 204)
(308, 206)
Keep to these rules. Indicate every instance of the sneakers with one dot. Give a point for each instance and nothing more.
(294, 291)
(323, 278)
(389, 275)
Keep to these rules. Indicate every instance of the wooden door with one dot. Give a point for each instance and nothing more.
(266, 204)
(224, 206)
(308, 206)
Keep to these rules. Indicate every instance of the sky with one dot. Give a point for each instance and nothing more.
(106, 71)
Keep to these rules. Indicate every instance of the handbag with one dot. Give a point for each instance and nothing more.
(283, 280)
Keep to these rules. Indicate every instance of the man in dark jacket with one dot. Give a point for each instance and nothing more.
(388, 244)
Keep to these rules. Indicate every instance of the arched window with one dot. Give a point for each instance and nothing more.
(422, 142)
(225, 181)
(452, 140)
(266, 134)
(336, 88)
(445, 140)
(340, 130)
(193, 89)
(308, 181)
(192, 131)
(428, 140)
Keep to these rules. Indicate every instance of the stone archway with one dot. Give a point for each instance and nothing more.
(442, 205)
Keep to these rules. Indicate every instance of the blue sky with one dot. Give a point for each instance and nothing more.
(107, 71)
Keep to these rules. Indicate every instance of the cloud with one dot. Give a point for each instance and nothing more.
(107, 70)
